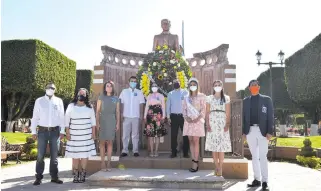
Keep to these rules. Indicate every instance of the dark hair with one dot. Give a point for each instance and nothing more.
(190, 92)
(258, 83)
(112, 86)
(75, 100)
(132, 77)
(222, 92)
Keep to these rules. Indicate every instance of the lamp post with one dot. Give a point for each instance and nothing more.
(258, 57)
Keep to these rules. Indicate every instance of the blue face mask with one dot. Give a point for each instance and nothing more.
(132, 84)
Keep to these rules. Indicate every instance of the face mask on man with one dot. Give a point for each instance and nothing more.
(254, 90)
(50, 92)
(81, 98)
(154, 89)
(132, 84)
(176, 85)
(218, 89)
(193, 88)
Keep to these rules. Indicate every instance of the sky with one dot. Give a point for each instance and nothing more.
(78, 28)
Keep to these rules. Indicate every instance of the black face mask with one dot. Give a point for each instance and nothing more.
(176, 85)
(81, 98)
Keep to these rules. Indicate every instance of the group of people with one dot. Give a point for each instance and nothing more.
(188, 110)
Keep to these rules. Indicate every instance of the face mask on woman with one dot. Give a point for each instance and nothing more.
(193, 88)
(81, 98)
(154, 89)
(217, 89)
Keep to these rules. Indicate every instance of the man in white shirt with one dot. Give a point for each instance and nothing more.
(48, 116)
(132, 107)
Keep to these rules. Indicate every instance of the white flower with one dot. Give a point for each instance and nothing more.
(161, 52)
(172, 61)
(165, 74)
(172, 51)
(154, 64)
(178, 65)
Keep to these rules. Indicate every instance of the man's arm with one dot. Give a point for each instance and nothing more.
(168, 105)
(142, 102)
(270, 115)
(35, 118)
(62, 117)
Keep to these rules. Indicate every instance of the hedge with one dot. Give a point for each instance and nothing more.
(302, 74)
(84, 79)
(27, 66)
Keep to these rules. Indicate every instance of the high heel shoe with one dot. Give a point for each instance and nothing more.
(192, 169)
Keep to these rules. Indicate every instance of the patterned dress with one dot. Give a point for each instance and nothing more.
(155, 115)
(80, 120)
(194, 129)
(218, 140)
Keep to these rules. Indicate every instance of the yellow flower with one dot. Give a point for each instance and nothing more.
(175, 67)
(158, 47)
(165, 47)
(160, 77)
(163, 61)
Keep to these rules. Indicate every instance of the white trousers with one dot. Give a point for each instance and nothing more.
(258, 145)
(130, 125)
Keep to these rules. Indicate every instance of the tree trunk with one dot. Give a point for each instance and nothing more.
(9, 126)
(15, 110)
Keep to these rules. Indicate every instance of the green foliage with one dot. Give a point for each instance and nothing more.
(29, 147)
(84, 79)
(307, 150)
(33, 154)
(162, 66)
(312, 162)
(302, 74)
(28, 65)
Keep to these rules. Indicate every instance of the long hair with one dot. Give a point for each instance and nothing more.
(112, 87)
(222, 92)
(86, 101)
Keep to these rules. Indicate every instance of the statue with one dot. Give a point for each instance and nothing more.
(171, 40)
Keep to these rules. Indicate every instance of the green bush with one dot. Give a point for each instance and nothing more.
(84, 79)
(302, 74)
(33, 154)
(307, 150)
(29, 147)
(312, 162)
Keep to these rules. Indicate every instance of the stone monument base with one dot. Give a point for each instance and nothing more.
(232, 168)
(160, 178)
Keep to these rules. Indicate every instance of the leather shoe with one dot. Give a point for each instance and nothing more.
(255, 183)
(264, 186)
(37, 182)
(123, 155)
(57, 181)
(136, 155)
(173, 155)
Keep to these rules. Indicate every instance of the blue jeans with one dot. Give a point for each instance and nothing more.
(43, 138)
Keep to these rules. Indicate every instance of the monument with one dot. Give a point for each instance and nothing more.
(163, 65)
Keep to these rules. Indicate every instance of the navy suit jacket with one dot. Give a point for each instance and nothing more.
(266, 115)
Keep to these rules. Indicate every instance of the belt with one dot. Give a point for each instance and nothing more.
(42, 128)
(176, 114)
(217, 110)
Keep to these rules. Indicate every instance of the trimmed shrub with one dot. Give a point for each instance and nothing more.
(84, 79)
(312, 162)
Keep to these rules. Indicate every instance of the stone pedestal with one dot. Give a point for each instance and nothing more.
(314, 130)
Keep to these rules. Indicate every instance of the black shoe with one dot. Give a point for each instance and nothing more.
(37, 182)
(57, 181)
(173, 155)
(76, 177)
(136, 155)
(124, 155)
(192, 169)
(264, 186)
(186, 156)
(82, 176)
(255, 183)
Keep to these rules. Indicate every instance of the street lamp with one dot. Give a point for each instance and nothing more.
(258, 57)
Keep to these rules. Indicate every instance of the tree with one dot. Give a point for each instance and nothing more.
(84, 79)
(302, 77)
(27, 66)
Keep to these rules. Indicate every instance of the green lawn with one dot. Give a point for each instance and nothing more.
(298, 141)
(15, 138)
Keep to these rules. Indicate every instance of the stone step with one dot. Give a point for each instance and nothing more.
(157, 178)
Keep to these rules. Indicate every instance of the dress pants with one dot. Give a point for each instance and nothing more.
(130, 125)
(177, 122)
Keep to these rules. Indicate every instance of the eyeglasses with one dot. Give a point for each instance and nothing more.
(52, 88)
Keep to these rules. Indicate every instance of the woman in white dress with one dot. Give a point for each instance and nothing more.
(80, 126)
(218, 119)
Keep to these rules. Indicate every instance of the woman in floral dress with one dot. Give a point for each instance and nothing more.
(154, 119)
(218, 116)
(194, 108)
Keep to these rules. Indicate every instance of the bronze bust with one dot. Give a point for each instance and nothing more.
(171, 40)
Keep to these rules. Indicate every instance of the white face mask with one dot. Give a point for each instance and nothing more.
(50, 92)
(193, 88)
(154, 89)
(218, 89)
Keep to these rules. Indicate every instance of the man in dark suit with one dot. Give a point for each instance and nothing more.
(257, 129)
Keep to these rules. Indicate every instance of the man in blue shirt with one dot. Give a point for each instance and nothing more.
(175, 117)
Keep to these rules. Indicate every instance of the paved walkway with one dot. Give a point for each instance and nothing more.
(283, 177)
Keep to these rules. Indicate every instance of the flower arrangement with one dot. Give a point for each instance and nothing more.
(162, 67)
